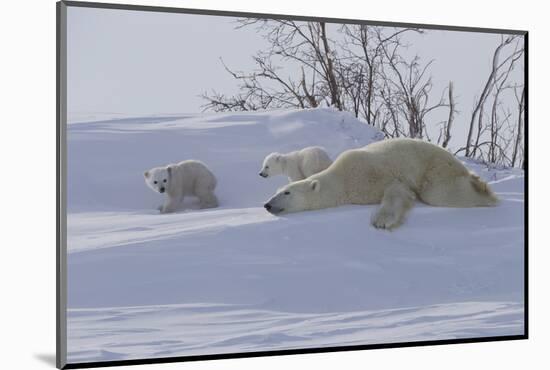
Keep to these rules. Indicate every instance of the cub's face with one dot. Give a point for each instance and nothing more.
(295, 197)
(157, 178)
(272, 165)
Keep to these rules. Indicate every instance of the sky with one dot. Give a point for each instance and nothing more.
(135, 63)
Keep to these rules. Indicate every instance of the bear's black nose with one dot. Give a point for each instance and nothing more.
(161, 190)
(262, 174)
(267, 206)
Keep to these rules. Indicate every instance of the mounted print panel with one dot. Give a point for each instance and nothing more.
(239, 184)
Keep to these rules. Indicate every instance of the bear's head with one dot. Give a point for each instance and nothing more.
(295, 197)
(158, 178)
(273, 165)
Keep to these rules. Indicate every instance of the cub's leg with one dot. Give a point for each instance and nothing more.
(204, 190)
(294, 173)
(207, 198)
(396, 202)
(170, 204)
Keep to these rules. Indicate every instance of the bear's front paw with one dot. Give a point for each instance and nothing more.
(164, 210)
(384, 219)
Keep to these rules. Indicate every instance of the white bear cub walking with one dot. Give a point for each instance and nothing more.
(296, 165)
(179, 180)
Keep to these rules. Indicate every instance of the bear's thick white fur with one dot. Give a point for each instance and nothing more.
(393, 172)
(187, 178)
(296, 165)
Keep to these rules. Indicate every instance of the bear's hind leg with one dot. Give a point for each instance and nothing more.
(461, 191)
(396, 202)
(207, 199)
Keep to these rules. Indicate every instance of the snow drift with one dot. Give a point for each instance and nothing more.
(236, 278)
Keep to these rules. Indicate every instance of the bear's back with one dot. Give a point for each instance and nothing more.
(403, 159)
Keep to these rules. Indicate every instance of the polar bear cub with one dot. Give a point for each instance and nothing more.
(393, 173)
(190, 177)
(296, 165)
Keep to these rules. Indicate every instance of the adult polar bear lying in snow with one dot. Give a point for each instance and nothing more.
(392, 172)
(296, 165)
(178, 180)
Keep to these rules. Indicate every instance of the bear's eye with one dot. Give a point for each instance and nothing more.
(287, 192)
(164, 180)
(266, 167)
(156, 182)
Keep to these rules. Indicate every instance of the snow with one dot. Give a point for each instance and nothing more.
(236, 279)
(159, 331)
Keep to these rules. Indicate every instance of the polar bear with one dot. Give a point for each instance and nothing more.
(393, 172)
(296, 165)
(178, 180)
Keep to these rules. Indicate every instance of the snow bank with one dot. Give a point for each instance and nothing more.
(107, 159)
(236, 278)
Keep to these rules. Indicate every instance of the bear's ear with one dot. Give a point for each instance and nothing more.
(277, 157)
(146, 174)
(315, 186)
(169, 169)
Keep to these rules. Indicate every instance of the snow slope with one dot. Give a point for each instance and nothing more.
(236, 278)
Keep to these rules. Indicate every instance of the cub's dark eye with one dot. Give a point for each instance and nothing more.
(287, 192)
(164, 180)
(156, 182)
(266, 167)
